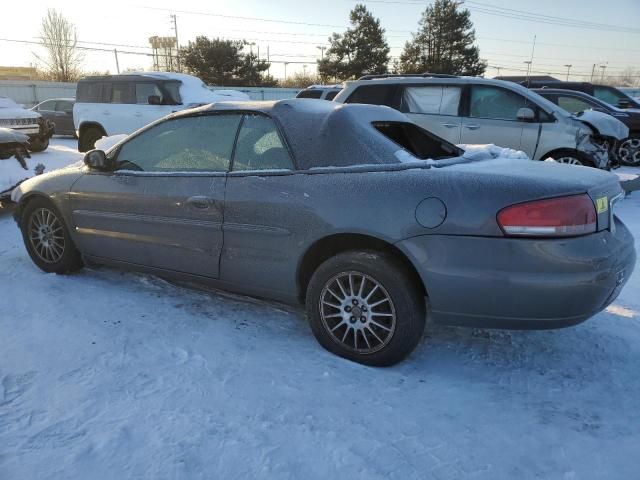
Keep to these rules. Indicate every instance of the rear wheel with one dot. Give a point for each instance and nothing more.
(88, 138)
(47, 239)
(629, 151)
(570, 157)
(366, 306)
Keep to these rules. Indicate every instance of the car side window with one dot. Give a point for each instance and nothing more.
(331, 94)
(431, 99)
(48, 106)
(187, 144)
(374, 95)
(310, 94)
(63, 106)
(572, 104)
(146, 90)
(121, 92)
(608, 95)
(495, 103)
(259, 146)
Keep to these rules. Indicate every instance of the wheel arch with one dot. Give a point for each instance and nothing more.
(573, 151)
(331, 245)
(82, 128)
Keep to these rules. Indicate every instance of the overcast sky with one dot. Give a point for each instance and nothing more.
(504, 41)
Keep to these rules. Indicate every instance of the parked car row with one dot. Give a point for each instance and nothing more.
(28, 122)
(472, 110)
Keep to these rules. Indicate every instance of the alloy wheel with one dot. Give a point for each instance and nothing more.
(357, 312)
(46, 235)
(569, 161)
(629, 151)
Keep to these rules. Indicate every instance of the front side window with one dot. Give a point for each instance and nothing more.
(573, 104)
(48, 106)
(259, 146)
(64, 106)
(189, 144)
(609, 95)
(431, 99)
(495, 103)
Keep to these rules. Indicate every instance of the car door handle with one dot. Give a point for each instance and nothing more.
(472, 127)
(450, 125)
(201, 202)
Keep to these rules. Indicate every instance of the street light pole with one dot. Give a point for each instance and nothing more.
(322, 49)
(285, 69)
(603, 67)
(568, 69)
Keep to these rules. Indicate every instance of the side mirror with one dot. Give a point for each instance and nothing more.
(154, 100)
(97, 160)
(525, 114)
(622, 103)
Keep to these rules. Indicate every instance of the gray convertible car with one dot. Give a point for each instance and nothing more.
(369, 220)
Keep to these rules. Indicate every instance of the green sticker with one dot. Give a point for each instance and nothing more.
(602, 204)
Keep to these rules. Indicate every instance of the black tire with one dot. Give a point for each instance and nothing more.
(88, 138)
(629, 151)
(69, 259)
(403, 331)
(579, 158)
(38, 144)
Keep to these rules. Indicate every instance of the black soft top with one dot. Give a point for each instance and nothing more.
(323, 133)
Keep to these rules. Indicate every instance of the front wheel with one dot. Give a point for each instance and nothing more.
(569, 157)
(47, 239)
(629, 152)
(367, 307)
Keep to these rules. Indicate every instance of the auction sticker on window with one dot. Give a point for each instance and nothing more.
(602, 204)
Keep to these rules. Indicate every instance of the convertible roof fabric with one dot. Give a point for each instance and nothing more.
(321, 133)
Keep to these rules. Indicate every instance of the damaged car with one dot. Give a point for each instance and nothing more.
(473, 110)
(13, 145)
(365, 218)
(28, 122)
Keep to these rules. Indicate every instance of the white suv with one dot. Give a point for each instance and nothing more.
(117, 104)
(473, 110)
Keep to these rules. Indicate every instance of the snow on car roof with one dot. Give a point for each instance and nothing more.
(325, 134)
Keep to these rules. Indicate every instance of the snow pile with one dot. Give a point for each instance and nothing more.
(483, 152)
(60, 153)
(105, 143)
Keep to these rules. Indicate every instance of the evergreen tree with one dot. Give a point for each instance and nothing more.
(361, 50)
(443, 43)
(223, 62)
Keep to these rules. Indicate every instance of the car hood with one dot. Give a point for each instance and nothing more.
(603, 123)
(11, 113)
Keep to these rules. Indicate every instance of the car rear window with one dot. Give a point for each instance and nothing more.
(417, 141)
(374, 95)
(89, 92)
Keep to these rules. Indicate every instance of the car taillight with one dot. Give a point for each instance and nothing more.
(553, 217)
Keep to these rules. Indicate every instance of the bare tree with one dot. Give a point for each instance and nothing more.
(59, 39)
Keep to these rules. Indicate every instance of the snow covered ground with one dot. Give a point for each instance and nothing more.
(111, 375)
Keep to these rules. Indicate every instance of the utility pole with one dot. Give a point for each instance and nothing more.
(593, 70)
(322, 48)
(304, 70)
(268, 62)
(175, 29)
(568, 69)
(285, 69)
(115, 52)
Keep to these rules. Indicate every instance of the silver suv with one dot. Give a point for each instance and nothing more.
(473, 110)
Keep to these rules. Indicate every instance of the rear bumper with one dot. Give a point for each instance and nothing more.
(521, 283)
